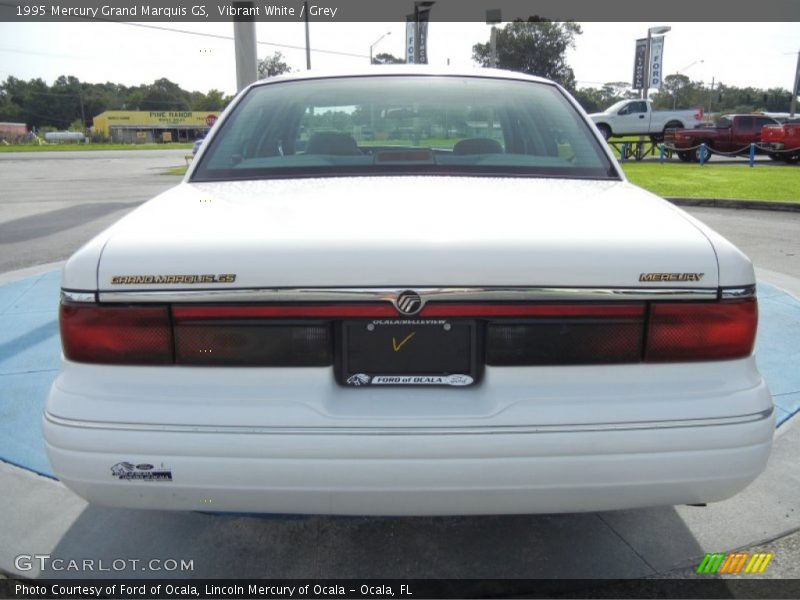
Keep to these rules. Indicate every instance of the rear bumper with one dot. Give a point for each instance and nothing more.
(406, 471)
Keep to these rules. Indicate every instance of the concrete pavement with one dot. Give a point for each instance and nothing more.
(52, 202)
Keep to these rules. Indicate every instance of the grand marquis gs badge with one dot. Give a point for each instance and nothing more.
(171, 279)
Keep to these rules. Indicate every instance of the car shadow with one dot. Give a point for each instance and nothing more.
(570, 546)
(42, 225)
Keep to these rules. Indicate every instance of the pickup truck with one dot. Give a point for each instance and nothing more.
(732, 133)
(783, 140)
(637, 117)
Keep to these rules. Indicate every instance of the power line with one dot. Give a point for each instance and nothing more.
(227, 37)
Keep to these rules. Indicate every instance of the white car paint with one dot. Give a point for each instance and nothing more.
(300, 233)
(525, 440)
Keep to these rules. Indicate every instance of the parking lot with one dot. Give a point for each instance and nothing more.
(52, 203)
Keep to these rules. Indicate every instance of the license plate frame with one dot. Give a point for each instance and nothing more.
(408, 352)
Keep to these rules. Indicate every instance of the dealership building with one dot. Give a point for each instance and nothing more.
(138, 126)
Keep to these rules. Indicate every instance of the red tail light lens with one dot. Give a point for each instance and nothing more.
(698, 331)
(122, 334)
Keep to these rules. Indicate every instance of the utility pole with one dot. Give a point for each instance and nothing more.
(796, 89)
(711, 96)
(493, 17)
(244, 42)
(308, 39)
(493, 42)
(83, 115)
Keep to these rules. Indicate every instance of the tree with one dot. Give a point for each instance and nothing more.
(536, 46)
(214, 100)
(272, 66)
(161, 95)
(674, 85)
(384, 58)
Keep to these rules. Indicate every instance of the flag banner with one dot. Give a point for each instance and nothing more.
(656, 61)
(411, 37)
(423, 12)
(638, 64)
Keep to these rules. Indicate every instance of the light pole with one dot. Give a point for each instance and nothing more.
(653, 30)
(375, 43)
(679, 72)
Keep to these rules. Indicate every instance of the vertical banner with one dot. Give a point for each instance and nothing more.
(656, 61)
(423, 10)
(638, 64)
(411, 27)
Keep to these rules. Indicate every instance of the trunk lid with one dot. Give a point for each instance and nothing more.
(405, 231)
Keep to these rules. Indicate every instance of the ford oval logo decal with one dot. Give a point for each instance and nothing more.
(408, 303)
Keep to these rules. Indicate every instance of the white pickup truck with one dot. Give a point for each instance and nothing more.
(637, 117)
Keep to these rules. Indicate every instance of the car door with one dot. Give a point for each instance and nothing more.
(743, 133)
(633, 118)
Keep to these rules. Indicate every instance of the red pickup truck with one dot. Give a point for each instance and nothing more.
(732, 133)
(783, 140)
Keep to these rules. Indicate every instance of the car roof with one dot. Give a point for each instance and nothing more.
(403, 69)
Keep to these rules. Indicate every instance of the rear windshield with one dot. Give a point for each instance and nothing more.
(404, 125)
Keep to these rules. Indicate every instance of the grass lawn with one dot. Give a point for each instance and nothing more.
(717, 181)
(178, 171)
(83, 147)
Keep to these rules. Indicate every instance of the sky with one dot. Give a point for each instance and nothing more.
(741, 54)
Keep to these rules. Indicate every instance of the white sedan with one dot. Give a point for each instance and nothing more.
(406, 291)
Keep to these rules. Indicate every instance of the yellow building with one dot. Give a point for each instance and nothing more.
(139, 126)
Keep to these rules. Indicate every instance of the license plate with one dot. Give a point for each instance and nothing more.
(413, 352)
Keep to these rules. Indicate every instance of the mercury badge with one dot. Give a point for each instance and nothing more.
(671, 276)
(408, 303)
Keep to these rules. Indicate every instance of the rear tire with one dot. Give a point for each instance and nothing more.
(671, 125)
(775, 157)
(605, 130)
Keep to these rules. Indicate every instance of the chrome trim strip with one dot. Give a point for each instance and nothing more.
(472, 430)
(428, 294)
(71, 296)
(739, 292)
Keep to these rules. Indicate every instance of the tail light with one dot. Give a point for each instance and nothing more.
(302, 335)
(689, 332)
(116, 334)
(564, 334)
(252, 343)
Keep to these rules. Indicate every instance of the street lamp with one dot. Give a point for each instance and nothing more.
(657, 31)
(375, 43)
(679, 72)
